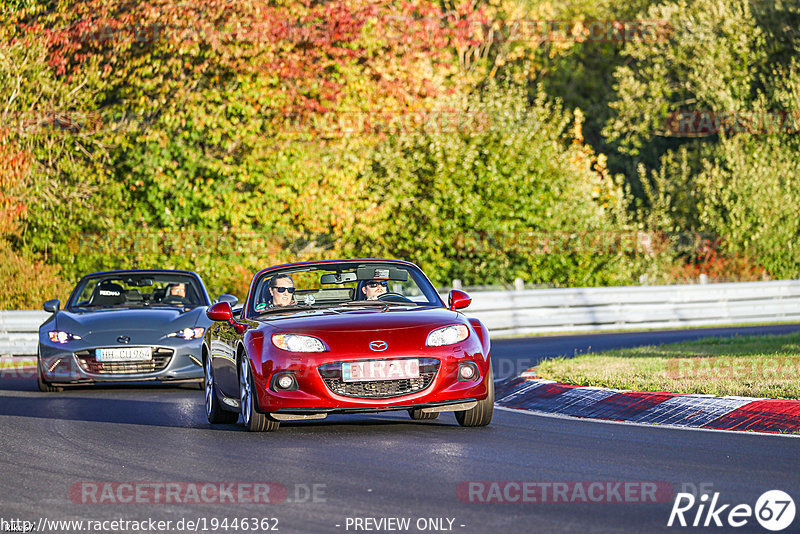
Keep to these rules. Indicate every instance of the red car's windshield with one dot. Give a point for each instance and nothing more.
(345, 284)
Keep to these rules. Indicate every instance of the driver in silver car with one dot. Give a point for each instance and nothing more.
(374, 289)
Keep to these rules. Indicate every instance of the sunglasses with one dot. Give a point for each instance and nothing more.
(283, 289)
(373, 285)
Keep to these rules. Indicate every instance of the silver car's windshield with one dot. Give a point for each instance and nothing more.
(137, 291)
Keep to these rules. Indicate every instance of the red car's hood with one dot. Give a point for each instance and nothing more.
(363, 320)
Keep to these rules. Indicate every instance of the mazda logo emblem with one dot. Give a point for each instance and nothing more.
(123, 339)
(378, 345)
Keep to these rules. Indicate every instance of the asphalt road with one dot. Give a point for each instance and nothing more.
(368, 466)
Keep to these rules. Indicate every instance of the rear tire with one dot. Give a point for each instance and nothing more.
(419, 415)
(44, 385)
(214, 411)
(481, 414)
(253, 420)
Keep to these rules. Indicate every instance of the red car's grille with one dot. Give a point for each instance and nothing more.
(378, 389)
(89, 363)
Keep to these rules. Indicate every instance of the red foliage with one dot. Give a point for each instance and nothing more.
(310, 52)
(709, 260)
(14, 165)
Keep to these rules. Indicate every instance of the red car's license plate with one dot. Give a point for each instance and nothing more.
(380, 370)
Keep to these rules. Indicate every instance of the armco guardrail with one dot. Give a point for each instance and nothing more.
(536, 311)
(636, 307)
(19, 331)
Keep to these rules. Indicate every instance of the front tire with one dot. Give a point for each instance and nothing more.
(214, 411)
(253, 420)
(481, 414)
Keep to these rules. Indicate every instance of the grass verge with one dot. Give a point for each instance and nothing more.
(757, 366)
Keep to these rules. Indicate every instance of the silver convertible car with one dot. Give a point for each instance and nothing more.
(126, 326)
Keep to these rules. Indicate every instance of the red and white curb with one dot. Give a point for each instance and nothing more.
(696, 411)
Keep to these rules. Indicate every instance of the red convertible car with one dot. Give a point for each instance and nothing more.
(345, 336)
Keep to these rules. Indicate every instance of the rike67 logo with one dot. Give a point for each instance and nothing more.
(774, 510)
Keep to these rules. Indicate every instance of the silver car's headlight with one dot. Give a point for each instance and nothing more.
(298, 343)
(188, 333)
(59, 336)
(447, 335)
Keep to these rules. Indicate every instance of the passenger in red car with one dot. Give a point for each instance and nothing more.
(374, 289)
(281, 288)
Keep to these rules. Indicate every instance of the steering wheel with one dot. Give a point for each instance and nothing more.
(394, 297)
(175, 300)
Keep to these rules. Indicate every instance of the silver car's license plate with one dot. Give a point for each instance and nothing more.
(128, 354)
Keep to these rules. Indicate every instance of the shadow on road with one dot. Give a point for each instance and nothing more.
(167, 406)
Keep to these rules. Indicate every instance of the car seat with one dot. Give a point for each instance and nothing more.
(107, 294)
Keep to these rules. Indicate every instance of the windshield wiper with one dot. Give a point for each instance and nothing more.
(124, 305)
(291, 307)
(376, 303)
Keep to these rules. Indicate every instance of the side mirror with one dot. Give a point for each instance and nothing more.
(230, 299)
(221, 311)
(458, 300)
(52, 306)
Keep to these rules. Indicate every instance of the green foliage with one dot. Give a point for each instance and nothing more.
(223, 137)
(751, 194)
(496, 200)
(738, 185)
(217, 122)
(715, 60)
(59, 175)
(27, 283)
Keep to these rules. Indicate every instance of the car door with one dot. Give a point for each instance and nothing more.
(224, 341)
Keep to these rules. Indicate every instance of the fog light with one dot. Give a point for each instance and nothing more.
(467, 372)
(285, 382)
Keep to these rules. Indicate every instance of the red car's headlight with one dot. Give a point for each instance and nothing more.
(298, 343)
(448, 335)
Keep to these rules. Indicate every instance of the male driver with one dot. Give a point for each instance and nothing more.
(177, 290)
(176, 294)
(374, 289)
(281, 288)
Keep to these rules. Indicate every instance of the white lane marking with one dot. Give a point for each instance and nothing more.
(633, 423)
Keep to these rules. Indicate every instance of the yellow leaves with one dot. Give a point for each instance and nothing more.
(577, 128)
